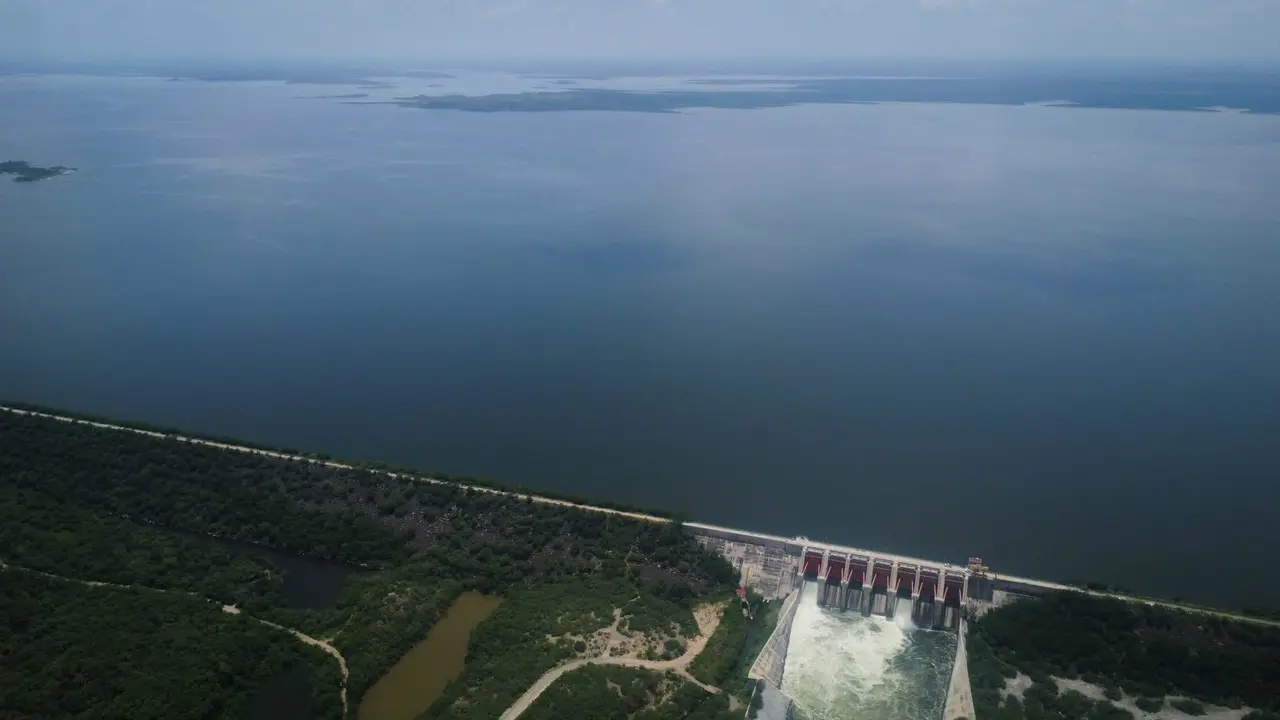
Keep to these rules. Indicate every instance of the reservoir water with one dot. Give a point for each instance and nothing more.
(1042, 335)
(842, 666)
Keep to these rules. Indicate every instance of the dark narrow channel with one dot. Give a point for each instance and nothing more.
(307, 584)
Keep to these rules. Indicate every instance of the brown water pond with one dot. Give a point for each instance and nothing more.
(421, 675)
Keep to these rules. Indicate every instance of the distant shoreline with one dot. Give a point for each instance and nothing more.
(25, 172)
(824, 92)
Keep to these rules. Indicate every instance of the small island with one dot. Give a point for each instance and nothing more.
(24, 171)
(341, 96)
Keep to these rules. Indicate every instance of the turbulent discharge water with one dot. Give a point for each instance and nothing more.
(843, 666)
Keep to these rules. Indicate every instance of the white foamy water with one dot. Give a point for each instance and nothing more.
(842, 666)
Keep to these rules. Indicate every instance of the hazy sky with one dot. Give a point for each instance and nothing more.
(651, 28)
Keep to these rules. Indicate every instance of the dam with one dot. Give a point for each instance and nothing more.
(860, 634)
(934, 594)
(931, 594)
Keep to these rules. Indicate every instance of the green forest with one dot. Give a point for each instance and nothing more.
(509, 650)
(740, 637)
(1130, 649)
(84, 504)
(71, 651)
(616, 693)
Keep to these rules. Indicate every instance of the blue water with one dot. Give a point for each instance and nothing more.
(1043, 335)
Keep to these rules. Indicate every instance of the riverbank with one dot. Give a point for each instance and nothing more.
(418, 678)
(728, 541)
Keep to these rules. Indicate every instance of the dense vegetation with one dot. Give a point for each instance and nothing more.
(67, 650)
(461, 480)
(189, 487)
(41, 533)
(739, 638)
(378, 618)
(760, 626)
(120, 507)
(1042, 701)
(614, 693)
(1144, 651)
(26, 172)
(511, 649)
(716, 663)
(351, 516)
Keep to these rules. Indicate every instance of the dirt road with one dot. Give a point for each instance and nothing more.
(229, 609)
(708, 617)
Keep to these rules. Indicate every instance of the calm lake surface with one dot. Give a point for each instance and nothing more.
(1048, 336)
(305, 582)
(415, 682)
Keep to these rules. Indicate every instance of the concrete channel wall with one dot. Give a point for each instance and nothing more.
(959, 694)
(775, 705)
(772, 660)
(771, 663)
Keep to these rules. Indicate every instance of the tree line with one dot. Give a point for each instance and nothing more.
(603, 692)
(67, 650)
(103, 505)
(1128, 648)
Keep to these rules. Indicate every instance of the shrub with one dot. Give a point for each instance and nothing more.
(1150, 704)
(1188, 706)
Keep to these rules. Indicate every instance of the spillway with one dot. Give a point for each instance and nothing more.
(844, 666)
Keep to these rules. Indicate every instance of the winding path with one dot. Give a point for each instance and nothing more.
(680, 665)
(230, 609)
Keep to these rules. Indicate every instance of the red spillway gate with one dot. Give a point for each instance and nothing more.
(858, 576)
(906, 579)
(835, 569)
(880, 577)
(812, 563)
(928, 587)
(954, 588)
